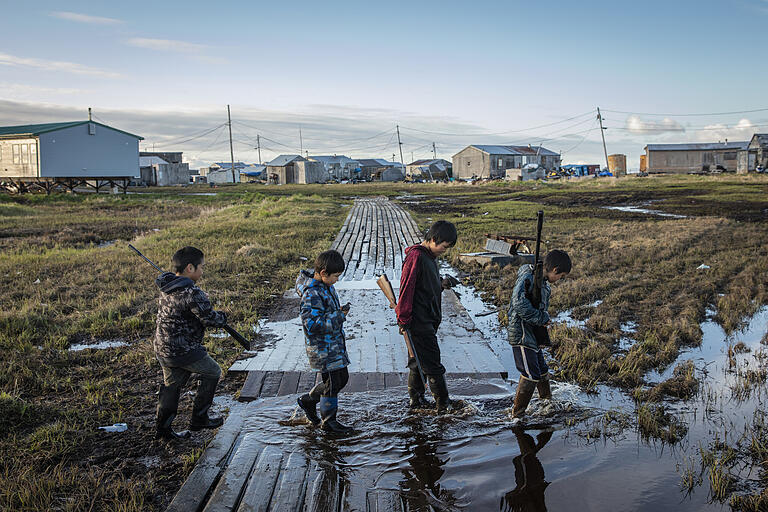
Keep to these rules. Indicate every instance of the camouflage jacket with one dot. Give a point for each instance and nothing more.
(521, 314)
(323, 321)
(183, 313)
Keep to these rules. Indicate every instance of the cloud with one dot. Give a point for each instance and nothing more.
(16, 90)
(84, 18)
(637, 125)
(166, 45)
(740, 131)
(55, 65)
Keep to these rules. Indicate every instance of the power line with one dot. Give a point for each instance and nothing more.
(502, 133)
(206, 132)
(689, 115)
(684, 128)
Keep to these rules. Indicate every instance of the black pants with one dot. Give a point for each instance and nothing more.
(426, 347)
(333, 382)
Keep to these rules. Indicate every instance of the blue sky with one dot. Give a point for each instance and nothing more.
(453, 73)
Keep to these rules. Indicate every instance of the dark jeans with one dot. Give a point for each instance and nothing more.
(426, 347)
(333, 382)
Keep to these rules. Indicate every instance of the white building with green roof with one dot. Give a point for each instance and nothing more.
(79, 149)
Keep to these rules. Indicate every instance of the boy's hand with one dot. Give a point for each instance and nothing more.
(345, 308)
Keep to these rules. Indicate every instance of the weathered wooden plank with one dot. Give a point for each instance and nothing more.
(357, 382)
(192, 493)
(306, 381)
(393, 379)
(227, 491)
(384, 501)
(271, 383)
(252, 387)
(289, 384)
(261, 484)
(291, 484)
(375, 381)
(322, 490)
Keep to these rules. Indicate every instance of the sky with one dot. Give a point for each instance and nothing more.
(339, 77)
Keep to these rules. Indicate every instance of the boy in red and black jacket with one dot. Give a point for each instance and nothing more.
(419, 309)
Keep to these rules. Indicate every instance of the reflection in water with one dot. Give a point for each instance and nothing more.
(528, 494)
(425, 469)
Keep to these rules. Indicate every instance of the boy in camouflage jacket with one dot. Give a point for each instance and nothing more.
(322, 317)
(184, 312)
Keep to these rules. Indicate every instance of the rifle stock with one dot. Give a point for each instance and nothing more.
(539, 331)
(389, 292)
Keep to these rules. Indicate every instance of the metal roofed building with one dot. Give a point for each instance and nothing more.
(756, 154)
(693, 157)
(163, 169)
(431, 168)
(492, 161)
(295, 169)
(68, 154)
(337, 166)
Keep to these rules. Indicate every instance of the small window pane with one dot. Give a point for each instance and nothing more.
(16, 154)
(24, 154)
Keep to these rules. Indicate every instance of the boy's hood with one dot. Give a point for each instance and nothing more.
(525, 269)
(168, 282)
(420, 248)
(304, 280)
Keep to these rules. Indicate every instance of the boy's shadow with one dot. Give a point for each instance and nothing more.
(528, 494)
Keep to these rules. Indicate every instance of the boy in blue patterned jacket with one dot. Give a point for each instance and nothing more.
(322, 317)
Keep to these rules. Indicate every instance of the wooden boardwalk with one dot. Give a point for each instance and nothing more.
(245, 469)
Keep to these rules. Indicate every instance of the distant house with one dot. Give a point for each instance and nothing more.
(163, 169)
(488, 161)
(221, 172)
(429, 168)
(253, 173)
(756, 154)
(337, 166)
(78, 149)
(693, 157)
(295, 169)
(380, 169)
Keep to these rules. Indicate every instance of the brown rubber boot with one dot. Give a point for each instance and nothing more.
(525, 389)
(545, 392)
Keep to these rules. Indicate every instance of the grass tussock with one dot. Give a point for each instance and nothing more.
(682, 385)
(655, 422)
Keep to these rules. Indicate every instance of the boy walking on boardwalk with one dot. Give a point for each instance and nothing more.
(523, 318)
(322, 317)
(184, 312)
(419, 309)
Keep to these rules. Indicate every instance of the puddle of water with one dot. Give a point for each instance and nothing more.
(628, 327)
(106, 243)
(638, 209)
(197, 194)
(100, 345)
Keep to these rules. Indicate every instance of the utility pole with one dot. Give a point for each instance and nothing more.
(412, 159)
(301, 142)
(434, 151)
(602, 133)
(258, 146)
(400, 144)
(231, 149)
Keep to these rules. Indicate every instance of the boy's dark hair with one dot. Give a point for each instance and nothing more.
(185, 256)
(557, 259)
(330, 261)
(442, 231)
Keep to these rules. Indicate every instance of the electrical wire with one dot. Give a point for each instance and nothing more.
(689, 115)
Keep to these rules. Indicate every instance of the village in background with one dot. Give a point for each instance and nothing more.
(68, 155)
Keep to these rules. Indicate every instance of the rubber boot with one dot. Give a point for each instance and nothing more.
(329, 406)
(416, 392)
(439, 390)
(545, 392)
(167, 407)
(523, 396)
(308, 403)
(203, 400)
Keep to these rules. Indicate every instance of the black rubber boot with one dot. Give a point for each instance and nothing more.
(439, 390)
(525, 389)
(167, 407)
(545, 391)
(203, 400)
(416, 392)
(308, 404)
(328, 409)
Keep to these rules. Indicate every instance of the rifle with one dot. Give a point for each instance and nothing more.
(232, 332)
(539, 331)
(386, 287)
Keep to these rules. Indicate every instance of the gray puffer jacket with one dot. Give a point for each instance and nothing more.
(521, 313)
(183, 313)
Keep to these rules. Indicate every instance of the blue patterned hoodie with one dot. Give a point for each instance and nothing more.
(323, 321)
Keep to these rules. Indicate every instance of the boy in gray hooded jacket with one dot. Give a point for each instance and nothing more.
(183, 313)
(523, 317)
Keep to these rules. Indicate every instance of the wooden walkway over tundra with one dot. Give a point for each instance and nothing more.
(241, 471)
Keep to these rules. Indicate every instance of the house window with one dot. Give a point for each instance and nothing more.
(17, 153)
(33, 154)
(501, 163)
(24, 154)
(730, 156)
